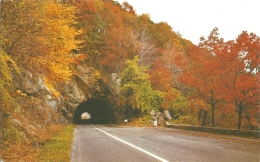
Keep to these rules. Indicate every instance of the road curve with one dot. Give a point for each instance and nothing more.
(104, 143)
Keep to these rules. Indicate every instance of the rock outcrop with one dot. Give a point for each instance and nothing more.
(37, 107)
(114, 84)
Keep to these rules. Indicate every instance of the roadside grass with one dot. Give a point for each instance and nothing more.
(16, 147)
(57, 149)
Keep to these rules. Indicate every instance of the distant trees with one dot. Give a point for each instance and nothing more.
(203, 74)
(158, 68)
(225, 72)
(119, 47)
(240, 68)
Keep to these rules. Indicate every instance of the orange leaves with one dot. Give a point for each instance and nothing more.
(119, 47)
(241, 71)
(225, 72)
(247, 46)
(160, 76)
(128, 7)
(79, 58)
(19, 152)
(203, 73)
(168, 99)
(197, 104)
(26, 151)
(165, 71)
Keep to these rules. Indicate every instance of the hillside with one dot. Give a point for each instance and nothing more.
(59, 57)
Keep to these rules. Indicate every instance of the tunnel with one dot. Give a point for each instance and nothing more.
(98, 109)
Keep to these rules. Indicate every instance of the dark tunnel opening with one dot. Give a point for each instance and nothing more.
(99, 111)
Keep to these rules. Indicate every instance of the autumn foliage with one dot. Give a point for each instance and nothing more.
(225, 74)
(214, 83)
(39, 36)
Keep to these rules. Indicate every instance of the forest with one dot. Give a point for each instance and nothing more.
(214, 83)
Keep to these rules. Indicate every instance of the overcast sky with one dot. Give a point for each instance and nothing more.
(196, 18)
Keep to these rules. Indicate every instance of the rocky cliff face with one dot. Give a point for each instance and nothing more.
(36, 106)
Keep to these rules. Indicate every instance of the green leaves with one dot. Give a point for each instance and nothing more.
(136, 88)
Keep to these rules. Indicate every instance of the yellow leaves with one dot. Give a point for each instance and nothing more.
(27, 152)
(40, 36)
(19, 92)
(48, 84)
(97, 74)
(19, 152)
(198, 104)
(5, 68)
(6, 76)
(56, 10)
(57, 39)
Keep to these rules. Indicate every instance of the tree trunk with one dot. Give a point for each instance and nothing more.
(240, 108)
(204, 117)
(213, 115)
(199, 114)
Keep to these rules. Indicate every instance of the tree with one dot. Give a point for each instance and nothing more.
(136, 89)
(93, 25)
(145, 46)
(128, 8)
(118, 40)
(175, 102)
(200, 109)
(160, 76)
(17, 27)
(225, 72)
(161, 79)
(57, 39)
(173, 56)
(118, 47)
(41, 37)
(240, 69)
(162, 33)
(38, 36)
(203, 72)
(164, 73)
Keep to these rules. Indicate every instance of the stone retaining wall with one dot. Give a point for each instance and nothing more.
(244, 133)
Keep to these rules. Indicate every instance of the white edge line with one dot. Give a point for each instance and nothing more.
(155, 156)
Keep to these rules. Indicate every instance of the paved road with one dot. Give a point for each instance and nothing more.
(101, 143)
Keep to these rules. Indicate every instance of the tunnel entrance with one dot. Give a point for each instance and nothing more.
(99, 111)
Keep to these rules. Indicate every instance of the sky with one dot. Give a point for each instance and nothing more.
(196, 18)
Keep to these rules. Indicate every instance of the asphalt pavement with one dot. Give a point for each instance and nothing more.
(107, 143)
